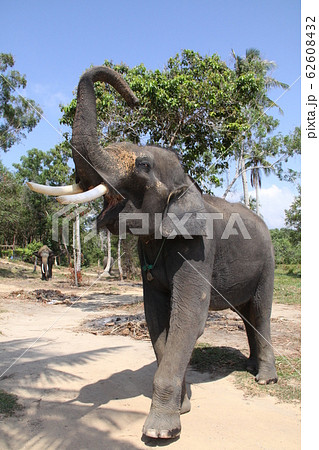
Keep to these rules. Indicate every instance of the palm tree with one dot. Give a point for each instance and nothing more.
(256, 164)
(255, 111)
(253, 63)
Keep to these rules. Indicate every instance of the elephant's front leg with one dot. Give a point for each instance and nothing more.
(189, 308)
(157, 314)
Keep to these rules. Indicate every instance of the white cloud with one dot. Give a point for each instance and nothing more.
(274, 200)
(47, 98)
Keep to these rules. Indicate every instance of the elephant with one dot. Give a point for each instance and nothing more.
(46, 255)
(197, 251)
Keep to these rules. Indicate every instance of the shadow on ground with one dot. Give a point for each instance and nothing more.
(13, 272)
(37, 378)
(218, 361)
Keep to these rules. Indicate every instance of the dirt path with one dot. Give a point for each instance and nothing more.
(81, 390)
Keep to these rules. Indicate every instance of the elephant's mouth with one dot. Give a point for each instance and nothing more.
(109, 217)
(110, 201)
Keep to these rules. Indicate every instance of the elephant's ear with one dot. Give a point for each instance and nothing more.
(182, 214)
(36, 254)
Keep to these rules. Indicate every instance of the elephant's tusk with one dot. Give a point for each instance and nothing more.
(84, 197)
(55, 190)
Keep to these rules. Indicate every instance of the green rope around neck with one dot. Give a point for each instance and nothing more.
(148, 267)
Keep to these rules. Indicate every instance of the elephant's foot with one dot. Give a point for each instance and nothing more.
(186, 405)
(160, 425)
(252, 365)
(267, 375)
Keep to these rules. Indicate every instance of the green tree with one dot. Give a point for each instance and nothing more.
(212, 114)
(193, 105)
(291, 146)
(262, 149)
(253, 67)
(17, 113)
(252, 149)
(287, 241)
(293, 217)
(287, 251)
(12, 208)
(45, 168)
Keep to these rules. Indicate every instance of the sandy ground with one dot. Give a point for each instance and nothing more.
(86, 391)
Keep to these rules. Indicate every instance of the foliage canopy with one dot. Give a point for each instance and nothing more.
(213, 115)
(196, 104)
(18, 114)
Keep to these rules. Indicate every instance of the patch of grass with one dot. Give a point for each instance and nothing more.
(6, 273)
(287, 288)
(221, 361)
(114, 289)
(8, 403)
(16, 272)
(288, 387)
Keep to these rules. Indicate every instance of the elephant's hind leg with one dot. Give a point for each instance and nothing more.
(256, 314)
(247, 314)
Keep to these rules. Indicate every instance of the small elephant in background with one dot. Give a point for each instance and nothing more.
(46, 256)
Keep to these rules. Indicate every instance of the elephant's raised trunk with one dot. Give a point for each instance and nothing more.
(93, 164)
(88, 156)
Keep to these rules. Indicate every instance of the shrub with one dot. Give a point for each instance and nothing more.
(287, 250)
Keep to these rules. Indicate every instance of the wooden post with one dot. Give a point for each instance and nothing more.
(74, 258)
(35, 264)
(108, 264)
(78, 242)
(119, 259)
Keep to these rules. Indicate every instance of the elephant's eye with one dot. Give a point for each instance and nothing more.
(143, 164)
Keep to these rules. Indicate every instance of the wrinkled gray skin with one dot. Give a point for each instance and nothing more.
(46, 257)
(191, 275)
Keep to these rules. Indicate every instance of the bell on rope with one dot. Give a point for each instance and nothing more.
(149, 276)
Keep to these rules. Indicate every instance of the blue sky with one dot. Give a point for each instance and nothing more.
(54, 42)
